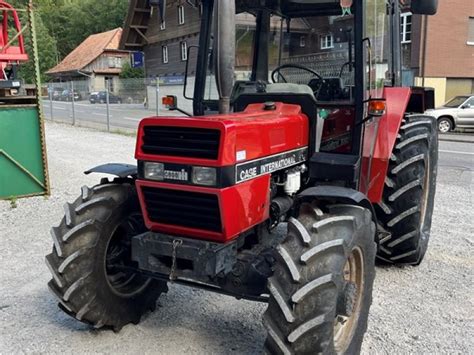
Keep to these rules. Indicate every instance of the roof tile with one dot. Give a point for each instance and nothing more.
(88, 51)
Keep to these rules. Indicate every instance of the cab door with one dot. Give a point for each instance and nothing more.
(465, 113)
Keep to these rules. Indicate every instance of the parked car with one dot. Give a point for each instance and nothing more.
(456, 113)
(67, 95)
(56, 93)
(101, 97)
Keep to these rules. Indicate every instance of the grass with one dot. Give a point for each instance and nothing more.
(13, 202)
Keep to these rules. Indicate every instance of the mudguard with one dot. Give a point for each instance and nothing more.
(117, 169)
(335, 194)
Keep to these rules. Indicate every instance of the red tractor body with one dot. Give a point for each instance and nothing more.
(330, 143)
(245, 148)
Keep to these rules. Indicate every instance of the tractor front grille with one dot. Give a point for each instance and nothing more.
(181, 142)
(183, 208)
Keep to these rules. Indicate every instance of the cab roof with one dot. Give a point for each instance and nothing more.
(291, 8)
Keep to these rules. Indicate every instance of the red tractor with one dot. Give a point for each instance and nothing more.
(12, 46)
(329, 145)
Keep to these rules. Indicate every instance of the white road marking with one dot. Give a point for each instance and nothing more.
(455, 152)
(131, 119)
(100, 114)
(59, 108)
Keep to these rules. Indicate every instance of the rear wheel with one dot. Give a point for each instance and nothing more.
(93, 275)
(406, 209)
(321, 289)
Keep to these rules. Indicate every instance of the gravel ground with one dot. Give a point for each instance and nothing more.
(428, 309)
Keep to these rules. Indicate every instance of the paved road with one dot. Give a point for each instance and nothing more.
(422, 310)
(456, 155)
(126, 116)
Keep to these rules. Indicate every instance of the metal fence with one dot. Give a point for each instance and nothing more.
(105, 104)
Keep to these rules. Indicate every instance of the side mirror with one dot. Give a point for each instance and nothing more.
(465, 106)
(424, 7)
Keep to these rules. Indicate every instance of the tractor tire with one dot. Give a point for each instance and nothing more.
(406, 210)
(321, 289)
(90, 257)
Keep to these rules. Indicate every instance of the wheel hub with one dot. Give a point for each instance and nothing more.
(349, 301)
(444, 126)
(121, 277)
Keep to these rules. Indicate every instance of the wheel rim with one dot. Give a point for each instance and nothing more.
(123, 281)
(345, 326)
(444, 126)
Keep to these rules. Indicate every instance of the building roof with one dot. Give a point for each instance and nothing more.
(88, 51)
(136, 25)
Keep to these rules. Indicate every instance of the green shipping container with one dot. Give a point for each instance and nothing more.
(23, 165)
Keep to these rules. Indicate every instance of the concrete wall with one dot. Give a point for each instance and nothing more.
(439, 84)
(176, 90)
(456, 87)
(447, 88)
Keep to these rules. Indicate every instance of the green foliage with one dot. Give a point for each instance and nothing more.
(47, 53)
(61, 25)
(131, 73)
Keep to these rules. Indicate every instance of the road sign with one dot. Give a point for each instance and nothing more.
(138, 60)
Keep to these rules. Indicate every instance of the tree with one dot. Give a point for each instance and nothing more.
(130, 73)
(61, 25)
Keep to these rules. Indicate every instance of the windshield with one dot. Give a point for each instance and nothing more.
(456, 102)
(304, 50)
(322, 44)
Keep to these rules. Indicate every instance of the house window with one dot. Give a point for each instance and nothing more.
(184, 51)
(109, 83)
(181, 15)
(163, 25)
(303, 41)
(327, 41)
(405, 22)
(470, 34)
(115, 62)
(164, 54)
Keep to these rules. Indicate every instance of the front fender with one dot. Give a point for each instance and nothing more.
(120, 170)
(334, 194)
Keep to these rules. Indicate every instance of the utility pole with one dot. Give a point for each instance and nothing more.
(72, 100)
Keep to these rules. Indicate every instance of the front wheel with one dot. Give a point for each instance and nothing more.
(91, 265)
(321, 289)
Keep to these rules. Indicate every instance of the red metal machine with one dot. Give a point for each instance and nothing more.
(12, 45)
(330, 143)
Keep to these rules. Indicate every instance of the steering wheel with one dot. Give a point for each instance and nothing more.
(314, 84)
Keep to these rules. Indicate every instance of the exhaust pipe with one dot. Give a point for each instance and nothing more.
(224, 51)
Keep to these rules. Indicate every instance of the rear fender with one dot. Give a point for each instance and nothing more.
(397, 100)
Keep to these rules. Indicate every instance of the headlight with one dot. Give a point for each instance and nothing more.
(154, 171)
(204, 176)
